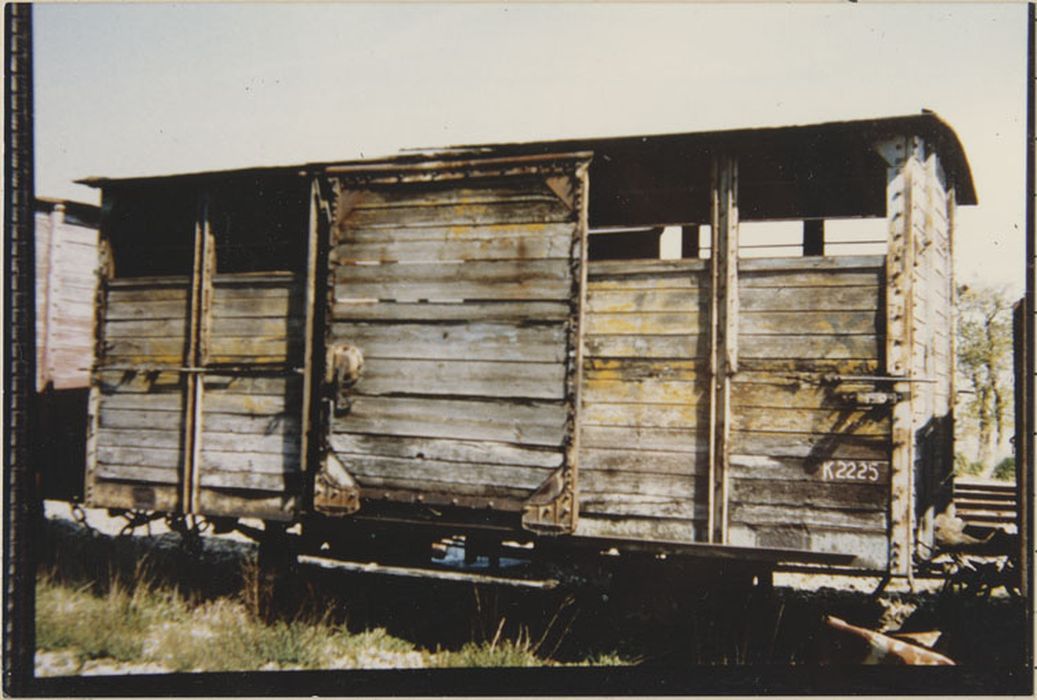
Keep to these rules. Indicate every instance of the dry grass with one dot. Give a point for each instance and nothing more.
(147, 624)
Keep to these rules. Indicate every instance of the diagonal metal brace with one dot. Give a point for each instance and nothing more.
(335, 491)
(551, 510)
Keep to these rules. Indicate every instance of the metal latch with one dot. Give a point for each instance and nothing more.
(344, 368)
(873, 398)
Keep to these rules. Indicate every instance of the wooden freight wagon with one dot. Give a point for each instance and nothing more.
(574, 342)
(66, 283)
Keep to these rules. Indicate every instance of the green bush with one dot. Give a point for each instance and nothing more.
(1005, 469)
(963, 466)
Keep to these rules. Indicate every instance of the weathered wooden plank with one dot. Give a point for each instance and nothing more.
(515, 188)
(646, 346)
(535, 380)
(600, 369)
(146, 310)
(403, 233)
(237, 503)
(133, 473)
(681, 267)
(373, 486)
(819, 279)
(126, 382)
(284, 442)
(870, 548)
(142, 456)
(646, 300)
(768, 390)
(142, 350)
(677, 487)
(809, 322)
(538, 210)
(536, 246)
(833, 264)
(800, 469)
(644, 529)
(640, 438)
(497, 342)
(645, 391)
(249, 480)
(153, 402)
(646, 282)
(482, 452)
(149, 496)
(816, 366)
(146, 328)
(815, 421)
(533, 423)
(244, 425)
(253, 349)
(840, 346)
(135, 418)
(641, 506)
(811, 494)
(505, 279)
(641, 461)
(269, 328)
(484, 311)
(816, 447)
(685, 416)
(810, 517)
(488, 475)
(645, 323)
(247, 404)
(256, 308)
(145, 293)
(250, 461)
(228, 384)
(140, 437)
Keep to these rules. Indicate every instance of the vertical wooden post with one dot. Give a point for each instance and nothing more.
(814, 237)
(723, 351)
(197, 351)
(313, 358)
(690, 245)
(900, 155)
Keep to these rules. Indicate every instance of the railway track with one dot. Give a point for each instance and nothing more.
(986, 503)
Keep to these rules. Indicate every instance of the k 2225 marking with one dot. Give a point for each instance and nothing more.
(852, 470)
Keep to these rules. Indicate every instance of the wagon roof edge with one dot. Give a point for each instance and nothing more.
(855, 134)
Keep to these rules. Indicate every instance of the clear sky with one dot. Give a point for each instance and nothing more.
(153, 89)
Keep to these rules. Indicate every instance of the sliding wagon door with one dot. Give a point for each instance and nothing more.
(460, 286)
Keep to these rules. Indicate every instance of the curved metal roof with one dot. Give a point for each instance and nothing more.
(827, 170)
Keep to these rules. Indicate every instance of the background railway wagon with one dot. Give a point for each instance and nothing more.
(66, 284)
(531, 368)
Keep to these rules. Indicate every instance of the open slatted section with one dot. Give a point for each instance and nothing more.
(809, 468)
(644, 418)
(252, 397)
(138, 398)
(461, 296)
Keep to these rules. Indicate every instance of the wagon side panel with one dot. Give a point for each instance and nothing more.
(645, 403)
(809, 463)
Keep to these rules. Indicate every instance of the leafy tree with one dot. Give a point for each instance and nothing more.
(984, 337)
